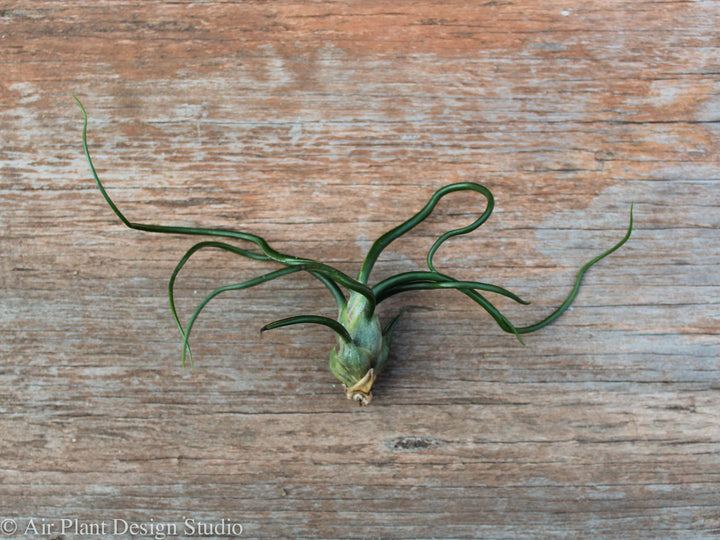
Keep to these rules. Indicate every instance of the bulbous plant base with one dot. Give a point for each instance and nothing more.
(361, 390)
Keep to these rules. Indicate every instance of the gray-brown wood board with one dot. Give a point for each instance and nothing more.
(320, 125)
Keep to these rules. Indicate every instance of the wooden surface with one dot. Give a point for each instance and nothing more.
(321, 125)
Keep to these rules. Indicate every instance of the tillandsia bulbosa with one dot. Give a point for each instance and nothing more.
(363, 344)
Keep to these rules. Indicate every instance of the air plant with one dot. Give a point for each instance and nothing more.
(363, 344)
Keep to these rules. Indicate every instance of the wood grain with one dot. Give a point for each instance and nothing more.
(320, 125)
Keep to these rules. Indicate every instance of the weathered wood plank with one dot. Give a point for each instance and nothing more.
(320, 126)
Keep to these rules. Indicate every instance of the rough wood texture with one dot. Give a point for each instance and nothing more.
(321, 125)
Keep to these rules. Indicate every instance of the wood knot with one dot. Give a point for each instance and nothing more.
(412, 443)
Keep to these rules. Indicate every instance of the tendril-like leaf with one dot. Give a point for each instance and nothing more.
(331, 285)
(576, 287)
(236, 287)
(424, 280)
(326, 271)
(386, 239)
(334, 325)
